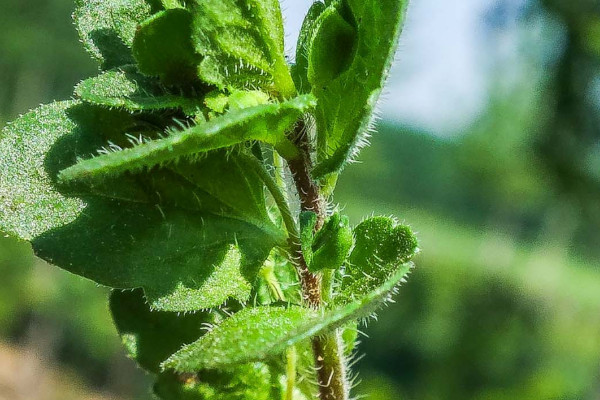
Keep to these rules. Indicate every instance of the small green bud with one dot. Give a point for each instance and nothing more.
(332, 244)
(308, 222)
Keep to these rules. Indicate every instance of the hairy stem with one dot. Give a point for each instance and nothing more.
(331, 367)
(290, 370)
(327, 349)
(278, 196)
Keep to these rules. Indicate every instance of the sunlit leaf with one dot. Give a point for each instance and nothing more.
(260, 333)
(247, 336)
(268, 123)
(163, 46)
(185, 257)
(349, 73)
(128, 89)
(382, 248)
(243, 42)
(107, 28)
(300, 69)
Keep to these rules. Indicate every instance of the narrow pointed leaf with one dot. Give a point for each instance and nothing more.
(107, 28)
(128, 89)
(163, 47)
(348, 90)
(267, 123)
(243, 42)
(247, 336)
(158, 237)
(260, 333)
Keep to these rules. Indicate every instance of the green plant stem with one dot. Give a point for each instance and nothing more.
(331, 367)
(278, 196)
(327, 285)
(328, 349)
(290, 371)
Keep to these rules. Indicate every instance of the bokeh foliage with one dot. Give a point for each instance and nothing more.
(505, 305)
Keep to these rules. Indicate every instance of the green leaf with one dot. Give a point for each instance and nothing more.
(126, 88)
(240, 99)
(331, 244)
(159, 236)
(382, 247)
(243, 41)
(163, 46)
(168, 4)
(260, 333)
(300, 69)
(107, 28)
(244, 382)
(29, 205)
(347, 100)
(331, 50)
(267, 123)
(247, 336)
(150, 337)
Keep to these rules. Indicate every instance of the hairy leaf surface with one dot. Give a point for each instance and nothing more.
(107, 28)
(300, 69)
(382, 247)
(126, 88)
(267, 123)
(331, 244)
(145, 231)
(163, 46)
(259, 333)
(243, 42)
(347, 100)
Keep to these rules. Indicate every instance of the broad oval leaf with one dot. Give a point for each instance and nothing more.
(107, 28)
(185, 257)
(128, 89)
(243, 42)
(346, 103)
(260, 333)
(267, 123)
(382, 247)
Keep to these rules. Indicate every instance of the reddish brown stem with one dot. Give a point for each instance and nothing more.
(328, 350)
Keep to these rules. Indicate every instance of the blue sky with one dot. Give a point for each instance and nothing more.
(439, 81)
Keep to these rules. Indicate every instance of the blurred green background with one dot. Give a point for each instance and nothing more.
(504, 193)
